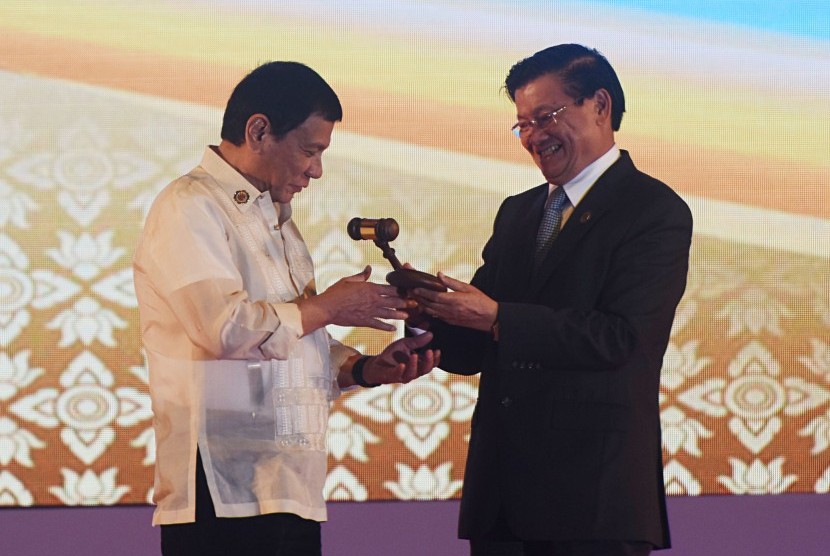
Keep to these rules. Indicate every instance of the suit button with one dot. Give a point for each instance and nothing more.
(506, 401)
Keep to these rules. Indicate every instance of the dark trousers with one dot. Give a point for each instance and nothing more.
(262, 535)
(502, 542)
(558, 548)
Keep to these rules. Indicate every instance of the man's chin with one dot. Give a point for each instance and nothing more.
(283, 198)
(555, 176)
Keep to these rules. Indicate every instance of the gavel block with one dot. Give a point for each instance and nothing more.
(408, 279)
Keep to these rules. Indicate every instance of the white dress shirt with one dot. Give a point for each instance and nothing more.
(579, 186)
(217, 270)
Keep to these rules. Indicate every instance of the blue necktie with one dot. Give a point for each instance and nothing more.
(551, 222)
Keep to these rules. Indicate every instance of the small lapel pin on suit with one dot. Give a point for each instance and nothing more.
(241, 197)
(586, 216)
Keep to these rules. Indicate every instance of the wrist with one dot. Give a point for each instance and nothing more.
(313, 314)
(357, 372)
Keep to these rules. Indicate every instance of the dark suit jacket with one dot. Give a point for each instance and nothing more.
(566, 431)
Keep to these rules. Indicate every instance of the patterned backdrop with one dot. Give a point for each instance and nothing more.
(745, 391)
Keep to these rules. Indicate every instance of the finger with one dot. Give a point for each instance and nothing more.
(426, 363)
(415, 342)
(396, 303)
(385, 290)
(453, 284)
(422, 294)
(410, 370)
(379, 325)
(395, 314)
(361, 276)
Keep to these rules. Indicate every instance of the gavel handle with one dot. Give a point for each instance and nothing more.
(389, 254)
(407, 278)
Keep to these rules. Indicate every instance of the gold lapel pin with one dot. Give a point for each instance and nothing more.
(586, 216)
(241, 197)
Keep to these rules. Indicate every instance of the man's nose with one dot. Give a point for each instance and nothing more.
(315, 170)
(537, 134)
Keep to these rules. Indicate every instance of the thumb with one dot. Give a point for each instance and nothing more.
(361, 276)
(453, 284)
(419, 341)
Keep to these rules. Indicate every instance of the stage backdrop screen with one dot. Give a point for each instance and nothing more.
(102, 103)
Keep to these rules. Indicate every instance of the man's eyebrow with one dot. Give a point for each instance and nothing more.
(316, 146)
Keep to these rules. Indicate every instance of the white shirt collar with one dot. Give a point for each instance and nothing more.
(234, 184)
(582, 182)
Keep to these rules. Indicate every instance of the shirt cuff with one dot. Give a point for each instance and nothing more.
(288, 331)
(290, 317)
(339, 355)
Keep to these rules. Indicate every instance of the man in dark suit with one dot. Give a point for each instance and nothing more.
(568, 320)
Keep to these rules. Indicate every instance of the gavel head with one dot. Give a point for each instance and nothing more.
(378, 229)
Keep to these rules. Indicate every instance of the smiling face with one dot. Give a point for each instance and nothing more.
(582, 132)
(286, 166)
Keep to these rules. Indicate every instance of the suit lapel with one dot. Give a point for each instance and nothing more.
(602, 197)
(517, 243)
(532, 219)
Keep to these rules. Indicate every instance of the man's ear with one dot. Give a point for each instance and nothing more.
(602, 105)
(256, 128)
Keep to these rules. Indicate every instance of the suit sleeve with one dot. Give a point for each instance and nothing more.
(464, 350)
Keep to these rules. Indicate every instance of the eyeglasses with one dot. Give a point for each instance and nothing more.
(523, 128)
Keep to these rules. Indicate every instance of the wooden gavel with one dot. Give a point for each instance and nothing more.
(382, 231)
